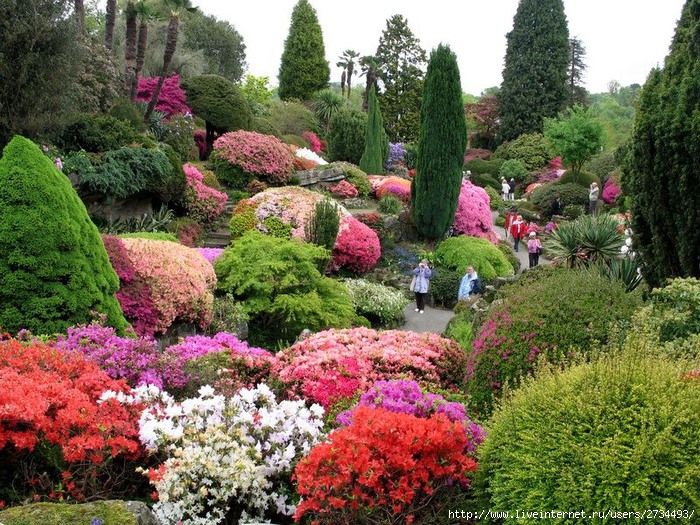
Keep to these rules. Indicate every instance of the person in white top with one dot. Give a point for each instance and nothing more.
(505, 189)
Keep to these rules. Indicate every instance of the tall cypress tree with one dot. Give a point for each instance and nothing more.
(376, 140)
(535, 73)
(304, 68)
(441, 146)
(664, 174)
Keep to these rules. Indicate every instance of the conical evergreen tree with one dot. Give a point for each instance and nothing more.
(664, 175)
(536, 68)
(376, 140)
(54, 269)
(304, 68)
(441, 145)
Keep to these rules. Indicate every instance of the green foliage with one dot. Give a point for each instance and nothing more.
(228, 316)
(148, 222)
(400, 59)
(382, 305)
(281, 288)
(480, 167)
(587, 240)
(507, 250)
(376, 140)
(155, 236)
(534, 88)
(495, 198)
(390, 204)
(291, 118)
(675, 309)
(629, 439)
(543, 196)
(234, 177)
(602, 165)
(126, 110)
(359, 179)
(664, 174)
(277, 227)
(256, 92)
(112, 512)
(295, 140)
(322, 229)
(461, 329)
(346, 136)
(178, 133)
(444, 286)
(513, 169)
(95, 133)
(264, 126)
(54, 270)
(583, 179)
(327, 103)
(218, 101)
(441, 145)
(615, 111)
(304, 68)
(575, 135)
(531, 149)
(573, 211)
(457, 253)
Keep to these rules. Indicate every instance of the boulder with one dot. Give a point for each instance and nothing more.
(320, 176)
(113, 512)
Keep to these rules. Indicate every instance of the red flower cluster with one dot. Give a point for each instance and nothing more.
(383, 462)
(357, 247)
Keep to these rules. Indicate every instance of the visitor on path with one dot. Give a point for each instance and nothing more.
(510, 218)
(511, 193)
(470, 285)
(593, 193)
(517, 230)
(505, 188)
(557, 207)
(534, 249)
(422, 274)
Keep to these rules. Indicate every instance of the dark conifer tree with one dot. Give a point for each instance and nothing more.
(376, 140)
(441, 145)
(535, 73)
(664, 174)
(577, 66)
(304, 68)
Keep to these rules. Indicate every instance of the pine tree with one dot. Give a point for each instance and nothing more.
(441, 145)
(304, 68)
(577, 66)
(376, 140)
(400, 61)
(664, 173)
(535, 73)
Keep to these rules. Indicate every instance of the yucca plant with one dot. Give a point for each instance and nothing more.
(625, 270)
(587, 240)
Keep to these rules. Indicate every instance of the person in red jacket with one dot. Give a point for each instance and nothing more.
(510, 217)
(517, 230)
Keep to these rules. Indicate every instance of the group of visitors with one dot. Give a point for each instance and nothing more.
(508, 189)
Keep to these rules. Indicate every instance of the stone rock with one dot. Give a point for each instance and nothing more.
(319, 176)
(141, 512)
(113, 512)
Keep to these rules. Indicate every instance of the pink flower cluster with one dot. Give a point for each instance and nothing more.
(611, 191)
(344, 189)
(264, 156)
(171, 100)
(375, 181)
(202, 203)
(473, 215)
(180, 279)
(392, 185)
(313, 140)
(210, 254)
(357, 246)
(335, 364)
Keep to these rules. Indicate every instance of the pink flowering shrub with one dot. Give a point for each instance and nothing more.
(344, 189)
(473, 215)
(336, 364)
(394, 186)
(357, 247)
(210, 254)
(313, 140)
(375, 181)
(611, 191)
(171, 100)
(204, 204)
(180, 279)
(262, 156)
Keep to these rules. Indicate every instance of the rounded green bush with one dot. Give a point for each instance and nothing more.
(390, 204)
(543, 196)
(457, 253)
(444, 286)
(513, 169)
(621, 433)
(484, 167)
(96, 133)
(382, 305)
(494, 196)
(346, 136)
(531, 149)
(584, 179)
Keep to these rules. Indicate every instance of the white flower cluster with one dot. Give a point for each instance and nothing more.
(306, 153)
(377, 300)
(626, 249)
(225, 451)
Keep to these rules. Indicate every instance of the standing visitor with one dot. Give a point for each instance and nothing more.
(593, 192)
(422, 274)
(511, 185)
(505, 188)
(510, 218)
(557, 207)
(517, 230)
(534, 249)
(469, 286)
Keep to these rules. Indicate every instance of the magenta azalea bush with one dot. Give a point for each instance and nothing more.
(172, 99)
(204, 204)
(313, 140)
(344, 190)
(210, 254)
(357, 247)
(611, 191)
(334, 365)
(263, 156)
(473, 215)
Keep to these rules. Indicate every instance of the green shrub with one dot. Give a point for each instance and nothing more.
(411, 155)
(346, 136)
(112, 512)
(461, 329)
(228, 316)
(444, 286)
(584, 179)
(124, 109)
(506, 249)
(295, 140)
(155, 236)
(264, 126)
(602, 165)
(531, 149)
(513, 169)
(457, 253)
(573, 211)
(281, 288)
(234, 177)
(618, 433)
(322, 229)
(96, 133)
(484, 167)
(544, 312)
(543, 196)
(382, 305)
(494, 196)
(585, 241)
(390, 204)
(675, 310)
(291, 118)
(54, 269)
(178, 133)
(277, 227)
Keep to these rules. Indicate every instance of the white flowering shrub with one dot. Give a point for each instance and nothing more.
(306, 153)
(226, 457)
(378, 303)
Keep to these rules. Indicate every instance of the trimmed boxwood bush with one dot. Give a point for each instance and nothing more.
(530, 149)
(444, 286)
(95, 133)
(548, 311)
(54, 270)
(584, 179)
(619, 433)
(457, 253)
(484, 167)
(543, 196)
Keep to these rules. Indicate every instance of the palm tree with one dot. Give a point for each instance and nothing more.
(130, 46)
(370, 69)
(327, 103)
(110, 20)
(146, 14)
(349, 57)
(176, 7)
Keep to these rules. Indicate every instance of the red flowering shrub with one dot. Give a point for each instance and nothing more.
(204, 204)
(335, 364)
(357, 247)
(171, 99)
(200, 140)
(476, 153)
(473, 216)
(302, 164)
(262, 156)
(383, 468)
(313, 140)
(394, 186)
(344, 189)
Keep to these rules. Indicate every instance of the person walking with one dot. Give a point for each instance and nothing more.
(557, 207)
(422, 274)
(511, 193)
(517, 230)
(505, 188)
(510, 217)
(469, 286)
(534, 249)
(593, 193)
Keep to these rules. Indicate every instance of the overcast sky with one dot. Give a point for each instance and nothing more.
(624, 39)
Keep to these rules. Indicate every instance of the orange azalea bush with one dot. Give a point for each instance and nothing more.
(397, 186)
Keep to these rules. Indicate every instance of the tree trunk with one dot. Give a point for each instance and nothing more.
(140, 58)
(130, 47)
(349, 81)
(79, 7)
(170, 45)
(110, 20)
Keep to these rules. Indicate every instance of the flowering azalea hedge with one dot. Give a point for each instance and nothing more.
(357, 247)
(204, 204)
(473, 216)
(262, 156)
(394, 186)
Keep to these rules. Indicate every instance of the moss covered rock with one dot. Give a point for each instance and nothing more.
(111, 512)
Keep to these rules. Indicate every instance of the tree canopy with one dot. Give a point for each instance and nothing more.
(576, 135)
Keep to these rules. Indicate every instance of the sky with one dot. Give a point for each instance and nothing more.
(624, 39)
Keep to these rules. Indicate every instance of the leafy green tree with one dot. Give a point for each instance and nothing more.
(535, 73)
(443, 139)
(664, 175)
(376, 140)
(346, 136)
(400, 61)
(54, 270)
(576, 136)
(304, 68)
(256, 92)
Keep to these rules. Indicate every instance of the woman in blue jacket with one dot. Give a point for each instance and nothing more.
(422, 273)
